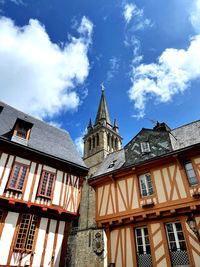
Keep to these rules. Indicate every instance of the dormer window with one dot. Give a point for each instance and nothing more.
(21, 132)
(145, 147)
(22, 129)
(112, 164)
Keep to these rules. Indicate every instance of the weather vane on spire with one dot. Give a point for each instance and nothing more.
(102, 87)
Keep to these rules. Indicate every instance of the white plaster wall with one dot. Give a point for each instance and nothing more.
(7, 236)
(50, 241)
(2, 163)
(36, 183)
(49, 169)
(23, 161)
(29, 181)
(59, 243)
(6, 175)
(57, 190)
(40, 242)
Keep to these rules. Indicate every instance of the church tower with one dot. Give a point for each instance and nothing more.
(87, 243)
(101, 139)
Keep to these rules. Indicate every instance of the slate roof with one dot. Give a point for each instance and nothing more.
(43, 137)
(181, 137)
(185, 135)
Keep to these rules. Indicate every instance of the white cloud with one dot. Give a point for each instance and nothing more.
(114, 66)
(79, 142)
(195, 16)
(128, 11)
(169, 76)
(17, 2)
(131, 11)
(37, 75)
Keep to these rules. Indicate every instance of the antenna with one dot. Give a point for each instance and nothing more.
(152, 121)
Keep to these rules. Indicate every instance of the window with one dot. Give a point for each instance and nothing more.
(177, 246)
(145, 147)
(22, 129)
(1, 108)
(143, 247)
(146, 187)
(26, 233)
(18, 176)
(46, 184)
(192, 179)
(97, 139)
(90, 144)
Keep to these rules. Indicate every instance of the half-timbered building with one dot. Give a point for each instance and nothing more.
(41, 175)
(148, 198)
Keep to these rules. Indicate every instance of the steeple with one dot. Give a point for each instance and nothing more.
(102, 138)
(102, 113)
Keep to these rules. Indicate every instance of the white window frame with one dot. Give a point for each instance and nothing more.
(143, 181)
(145, 147)
(144, 244)
(175, 232)
(189, 177)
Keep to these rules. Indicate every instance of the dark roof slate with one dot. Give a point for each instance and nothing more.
(43, 137)
(179, 138)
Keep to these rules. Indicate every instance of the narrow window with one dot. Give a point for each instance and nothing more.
(112, 142)
(97, 139)
(46, 184)
(192, 179)
(146, 187)
(90, 144)
(18, 176)
(177, 246)
(116, 142)
(145, 147)
(93, 139)
(26, 233)
(108, 140)
(143, 247)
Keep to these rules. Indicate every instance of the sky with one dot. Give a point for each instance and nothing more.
(54, 54)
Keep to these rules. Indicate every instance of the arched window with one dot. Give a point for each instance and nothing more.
(93, 141)
(97, 139)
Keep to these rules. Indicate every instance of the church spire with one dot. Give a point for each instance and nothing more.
(102, 113)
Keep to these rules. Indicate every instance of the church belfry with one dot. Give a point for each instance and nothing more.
(102, 138)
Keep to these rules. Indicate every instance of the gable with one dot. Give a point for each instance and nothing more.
(147, 144)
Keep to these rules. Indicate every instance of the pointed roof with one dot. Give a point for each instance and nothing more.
(102, 111)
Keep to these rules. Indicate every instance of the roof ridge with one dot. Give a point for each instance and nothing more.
(185, 125)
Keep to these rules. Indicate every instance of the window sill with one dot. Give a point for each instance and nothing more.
(14, 190)
(44, 197)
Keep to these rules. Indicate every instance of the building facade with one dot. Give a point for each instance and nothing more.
(41, 176)
(148, 198)
(87, 245)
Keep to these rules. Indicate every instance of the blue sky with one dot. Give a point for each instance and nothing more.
(55, 53)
